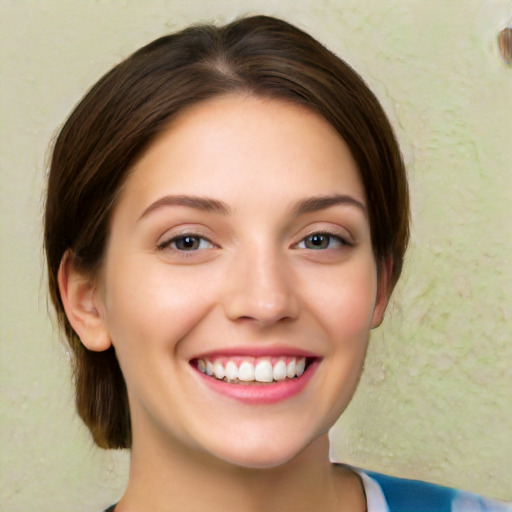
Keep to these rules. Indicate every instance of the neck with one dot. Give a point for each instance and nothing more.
(179, 478)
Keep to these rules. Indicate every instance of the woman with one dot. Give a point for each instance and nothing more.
(227, 216)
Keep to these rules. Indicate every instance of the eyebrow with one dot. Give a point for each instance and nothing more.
(199, 203)
(307, 205)
(317, 203)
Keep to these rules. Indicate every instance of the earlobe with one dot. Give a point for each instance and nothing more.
(383, 291)
(83, 306)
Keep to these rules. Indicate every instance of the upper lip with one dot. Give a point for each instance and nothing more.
(257, 351)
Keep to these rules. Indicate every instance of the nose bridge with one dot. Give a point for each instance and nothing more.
(261, 287)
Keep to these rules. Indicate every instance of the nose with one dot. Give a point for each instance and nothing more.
(261, 289)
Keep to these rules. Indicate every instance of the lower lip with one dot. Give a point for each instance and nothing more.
(261, 393)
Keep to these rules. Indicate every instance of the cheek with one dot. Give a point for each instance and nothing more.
(346, 302)
(152, 304)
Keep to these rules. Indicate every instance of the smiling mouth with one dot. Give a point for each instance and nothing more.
(253, 370)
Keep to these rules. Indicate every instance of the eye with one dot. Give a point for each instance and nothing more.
(187, 243)
(318, 241)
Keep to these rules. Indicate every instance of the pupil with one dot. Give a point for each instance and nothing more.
(188, 242)
(318, 240)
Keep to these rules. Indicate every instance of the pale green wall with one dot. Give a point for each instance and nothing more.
(435, 401)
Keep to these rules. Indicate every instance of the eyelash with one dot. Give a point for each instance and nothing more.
(343, 242)
(167, 244)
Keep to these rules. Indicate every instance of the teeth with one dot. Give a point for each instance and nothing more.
(246, 372)
(290, 369)
(253, 370)
(279, 371)
(263, 371)
(218, 371)
(231, 371)
(301, 366)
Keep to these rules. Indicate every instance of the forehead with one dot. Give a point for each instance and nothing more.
(233, 144)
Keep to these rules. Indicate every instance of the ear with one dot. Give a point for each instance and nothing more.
(83, 306)
(384, 289)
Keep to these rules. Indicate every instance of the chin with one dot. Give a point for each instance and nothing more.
(260, 461)
(266, 455)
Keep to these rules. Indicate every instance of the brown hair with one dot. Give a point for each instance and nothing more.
(120, 116)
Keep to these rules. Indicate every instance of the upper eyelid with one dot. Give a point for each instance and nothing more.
(199, 231)
(343, 240)
(166, 241)
(339, 232)
(179, 231)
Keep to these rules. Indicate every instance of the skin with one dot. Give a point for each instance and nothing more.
(253, 280)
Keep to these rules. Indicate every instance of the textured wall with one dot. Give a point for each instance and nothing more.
(435, 400)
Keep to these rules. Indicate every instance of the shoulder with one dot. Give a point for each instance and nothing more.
(402, 495)
(413, 495)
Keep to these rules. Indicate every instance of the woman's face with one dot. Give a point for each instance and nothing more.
(241, 246)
